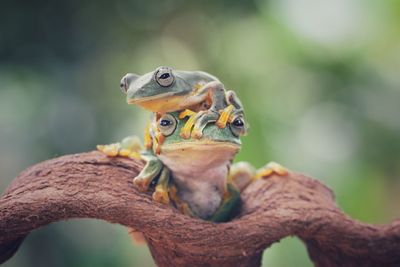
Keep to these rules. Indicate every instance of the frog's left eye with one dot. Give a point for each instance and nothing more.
(167, 124)
(164, 76)
(238, 126)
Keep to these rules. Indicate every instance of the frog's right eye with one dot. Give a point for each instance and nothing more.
(164, 76)
(167, 124)
(238, 126)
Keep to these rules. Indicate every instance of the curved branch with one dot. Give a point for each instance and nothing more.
(90, 185)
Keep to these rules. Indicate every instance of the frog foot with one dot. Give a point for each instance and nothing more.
(203, 118)
(187, 128)
(161, 194)
(270, 169)
(141, 183)
(110, 150)
(130, 147)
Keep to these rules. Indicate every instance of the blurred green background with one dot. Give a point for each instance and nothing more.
(319, 80)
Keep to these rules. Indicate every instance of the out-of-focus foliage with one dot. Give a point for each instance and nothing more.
(319, 80)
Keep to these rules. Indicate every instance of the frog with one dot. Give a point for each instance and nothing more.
(167, 90)
(197, 176)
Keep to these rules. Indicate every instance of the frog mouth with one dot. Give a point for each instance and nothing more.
(205, 145)
(149, 98)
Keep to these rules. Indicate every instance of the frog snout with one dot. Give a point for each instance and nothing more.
(126, 81)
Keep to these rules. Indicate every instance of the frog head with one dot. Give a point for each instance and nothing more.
(163, 89)
(217, 147)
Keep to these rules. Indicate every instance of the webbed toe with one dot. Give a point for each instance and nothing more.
(270, 169)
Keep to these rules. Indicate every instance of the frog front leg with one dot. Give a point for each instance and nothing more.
(150, 171)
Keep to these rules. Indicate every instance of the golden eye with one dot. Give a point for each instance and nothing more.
(238, 126)
(167, 124)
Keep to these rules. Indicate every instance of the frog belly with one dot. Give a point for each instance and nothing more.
(201, 184)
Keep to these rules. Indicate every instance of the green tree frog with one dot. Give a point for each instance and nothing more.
(196, 175)
(168, 90)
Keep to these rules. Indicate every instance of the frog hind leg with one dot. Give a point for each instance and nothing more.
(233, 99)
(234, 107)
(202, 119)
(150, 171)
(241, 174)
(215, 91)
(229, 206)
(271, 168)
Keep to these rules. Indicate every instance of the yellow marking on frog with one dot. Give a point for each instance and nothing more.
(185, 113)
(134, 155)
(148, 142)
(110, 150)
(124, 152)
(187, 128)
(231, 118)
(159, 140)
(270, 169)
(224, 117)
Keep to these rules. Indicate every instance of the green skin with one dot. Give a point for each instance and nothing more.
(199, 168)
(196, 175)
(188, 89)
(195, 171)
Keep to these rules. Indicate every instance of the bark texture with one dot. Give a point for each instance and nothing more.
(90, 185)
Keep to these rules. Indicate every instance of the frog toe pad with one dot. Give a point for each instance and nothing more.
(141, 184)
(110, 150)
(161, 195)
(270, 169)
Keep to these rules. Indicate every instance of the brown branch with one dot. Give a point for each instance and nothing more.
(90, 185)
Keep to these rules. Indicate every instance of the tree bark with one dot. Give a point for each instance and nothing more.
(91, 185)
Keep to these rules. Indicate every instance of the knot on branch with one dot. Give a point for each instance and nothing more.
(90, 185)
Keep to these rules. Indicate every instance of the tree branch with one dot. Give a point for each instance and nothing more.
(90, 185)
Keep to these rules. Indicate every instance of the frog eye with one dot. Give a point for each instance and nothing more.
(238, 126)
(167, 124)
(164, 76)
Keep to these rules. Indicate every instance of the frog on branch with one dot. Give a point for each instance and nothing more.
(196, 175)
(167, 90)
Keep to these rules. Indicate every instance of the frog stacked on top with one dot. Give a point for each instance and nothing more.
(190, 142)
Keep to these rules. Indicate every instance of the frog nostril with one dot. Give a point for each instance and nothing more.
(123, 85)
(126, 81)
